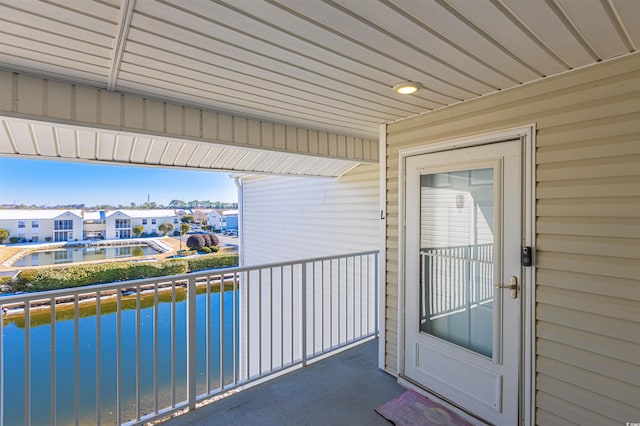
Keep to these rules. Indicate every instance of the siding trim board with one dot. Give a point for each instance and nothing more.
(587, 211)
(382, 259)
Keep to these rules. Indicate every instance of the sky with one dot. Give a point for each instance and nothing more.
(44, 182)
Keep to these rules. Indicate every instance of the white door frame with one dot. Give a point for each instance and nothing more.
(527, 136)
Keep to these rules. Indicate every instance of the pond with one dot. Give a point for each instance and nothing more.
(13, 344)
(64, 255)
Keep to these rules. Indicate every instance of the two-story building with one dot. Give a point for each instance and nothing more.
(120, 223)
(214, 219)
(42, 224)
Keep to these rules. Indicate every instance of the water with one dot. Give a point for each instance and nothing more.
(82, 254)
(14, 356)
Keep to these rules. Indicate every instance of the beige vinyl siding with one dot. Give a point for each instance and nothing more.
(288, 218)
(588, 231)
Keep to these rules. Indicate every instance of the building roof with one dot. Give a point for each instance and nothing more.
(229, 212)
(33, 214)
(145, 213)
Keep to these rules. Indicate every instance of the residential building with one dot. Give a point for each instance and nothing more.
(42, 225)
(229, 220)
(214, 219)
(200, 215)
(120, 223)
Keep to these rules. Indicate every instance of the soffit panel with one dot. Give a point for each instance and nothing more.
(19, 137)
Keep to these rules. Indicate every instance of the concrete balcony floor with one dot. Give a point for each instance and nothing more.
(343, 389)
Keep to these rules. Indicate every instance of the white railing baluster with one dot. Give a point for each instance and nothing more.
(155, 349)
(270, 319)
(118, 358)
(282, 316)
(292, 315)
(207, 333)
(191, 343)
(76, 358)
(221, 327)
(27, 363)
(331, 303)
(138, 364)
(173, 344)
(338, 302)
(247, 316)
(303, 309)
(236, 316)
(98, 359)
(52, 384)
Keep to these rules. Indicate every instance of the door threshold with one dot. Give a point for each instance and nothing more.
(470, 417)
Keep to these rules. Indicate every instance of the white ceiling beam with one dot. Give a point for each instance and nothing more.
(121, 33)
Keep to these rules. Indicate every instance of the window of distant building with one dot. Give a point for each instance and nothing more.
(144, 221)
(34, 224)
(153, 221)
(123, 223)
(62, 224)
(175, 220)
(21, 224)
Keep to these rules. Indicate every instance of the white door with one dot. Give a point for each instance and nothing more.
(463, 237)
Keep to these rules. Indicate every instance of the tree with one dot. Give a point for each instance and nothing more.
(188, 218)
(137, 230)
(165, 228)
(210, 240)
(184, 228)
(177, 204)
(4, 234)
(196, 242)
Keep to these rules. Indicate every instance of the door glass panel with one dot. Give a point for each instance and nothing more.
(456, 253)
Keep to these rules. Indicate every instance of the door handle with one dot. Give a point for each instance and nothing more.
(513, 286)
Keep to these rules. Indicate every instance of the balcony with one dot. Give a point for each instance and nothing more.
(343, 389)
(139, 351)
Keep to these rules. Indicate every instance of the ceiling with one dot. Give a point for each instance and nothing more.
(319, 64)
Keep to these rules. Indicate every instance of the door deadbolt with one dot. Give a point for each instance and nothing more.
(513, 286)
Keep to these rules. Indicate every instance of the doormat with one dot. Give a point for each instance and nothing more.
(411, 408)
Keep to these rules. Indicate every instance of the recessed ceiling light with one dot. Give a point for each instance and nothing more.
(407, 87)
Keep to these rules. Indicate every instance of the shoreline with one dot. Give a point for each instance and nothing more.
(109, 298)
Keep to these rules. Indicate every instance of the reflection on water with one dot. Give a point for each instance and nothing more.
(66, 328)
(82, 254)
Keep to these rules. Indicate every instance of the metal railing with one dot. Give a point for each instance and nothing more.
(455, 278)
(131, 352)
